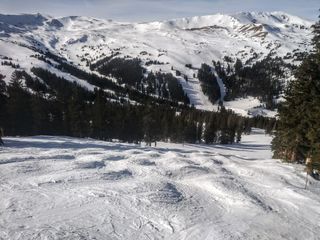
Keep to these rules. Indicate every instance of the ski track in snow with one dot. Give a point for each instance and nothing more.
(67, 188)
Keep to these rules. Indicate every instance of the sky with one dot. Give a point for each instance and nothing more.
(152, 10)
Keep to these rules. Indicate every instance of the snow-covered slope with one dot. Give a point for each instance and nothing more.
(65, 188)
(174, 43)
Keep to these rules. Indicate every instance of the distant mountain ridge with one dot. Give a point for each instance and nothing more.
(179, 45)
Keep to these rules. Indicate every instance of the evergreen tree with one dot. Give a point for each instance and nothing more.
(40, 115)
(210, 132)
(199, 131)
(298, 131)
(77, 112)
(3, 101)
(316, 35)
(209, 83)
(150, 125)
(99, 124)
(18, 107)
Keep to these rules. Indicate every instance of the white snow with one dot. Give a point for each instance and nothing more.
(67, 188)
(249, 106)
(175, 43)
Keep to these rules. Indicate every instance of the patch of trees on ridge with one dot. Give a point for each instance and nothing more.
(130, 72)
(209, 83)
(135, 88)
(263, 79)
(164, 85)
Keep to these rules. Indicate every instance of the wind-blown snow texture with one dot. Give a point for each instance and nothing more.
(66, 188)
(174, 43)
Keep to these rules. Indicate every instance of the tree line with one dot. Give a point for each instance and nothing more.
(51, 105)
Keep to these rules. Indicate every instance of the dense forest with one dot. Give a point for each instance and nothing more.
(52, 105)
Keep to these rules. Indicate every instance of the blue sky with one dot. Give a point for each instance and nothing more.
(147, 10)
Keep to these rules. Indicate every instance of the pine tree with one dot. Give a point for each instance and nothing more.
(18, 108)
(199, 131)
(99, 116)
(77, 113)
(210, 130)
(316, 35)
(298, 132)
(209, 83)
(190, 129)
(40, 115)
(3, 101)
(150, 126)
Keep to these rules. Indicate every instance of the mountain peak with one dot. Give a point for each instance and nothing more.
(270, 18)
(277, 19)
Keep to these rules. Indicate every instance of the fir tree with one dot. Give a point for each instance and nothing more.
(3, 101)
(209, 83)
(210, 132)
(78, 121)
(298, 132)
(40, 115)
(150, 125)
(18, 107)
(100, 124)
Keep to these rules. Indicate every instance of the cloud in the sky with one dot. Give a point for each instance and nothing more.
(145, 10)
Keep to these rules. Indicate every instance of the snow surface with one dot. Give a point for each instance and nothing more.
(174, 43)
(249, 106)
(67, 188)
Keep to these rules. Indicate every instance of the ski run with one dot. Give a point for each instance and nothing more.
(68, 188)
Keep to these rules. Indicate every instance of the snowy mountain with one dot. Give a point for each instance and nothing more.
(168, 46)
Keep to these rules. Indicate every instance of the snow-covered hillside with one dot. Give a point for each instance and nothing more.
(66, 188)
(174, 43)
